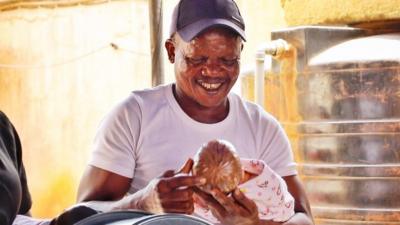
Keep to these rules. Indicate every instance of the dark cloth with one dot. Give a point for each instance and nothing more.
(14, 194)
(73, 215)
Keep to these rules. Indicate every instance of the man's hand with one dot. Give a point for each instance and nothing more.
(170, 193)
(236, 209)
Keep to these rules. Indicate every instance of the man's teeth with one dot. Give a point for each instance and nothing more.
(209, 86)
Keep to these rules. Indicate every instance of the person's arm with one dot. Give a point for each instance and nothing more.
(238, 209)
(99, 184)
(302, 209)
(102, 188)
(235, 209)
(105, 191)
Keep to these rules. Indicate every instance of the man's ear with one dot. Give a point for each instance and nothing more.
(170, 47)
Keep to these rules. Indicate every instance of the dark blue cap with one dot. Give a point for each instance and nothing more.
(191, 17)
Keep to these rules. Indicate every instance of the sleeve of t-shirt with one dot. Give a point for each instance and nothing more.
(277, 152)
(116, 139)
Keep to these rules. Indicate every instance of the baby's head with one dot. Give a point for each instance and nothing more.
(218, 163)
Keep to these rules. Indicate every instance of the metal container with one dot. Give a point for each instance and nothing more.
(343, 121)
(135, 217)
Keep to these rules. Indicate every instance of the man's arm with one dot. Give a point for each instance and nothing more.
(302, 209)
(102, 189)
(105, 191)
(229, 210)
(171, 192)
(102, 185)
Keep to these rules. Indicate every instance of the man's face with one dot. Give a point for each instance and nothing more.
(207, 67)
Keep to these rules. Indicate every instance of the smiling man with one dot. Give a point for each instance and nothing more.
(154, 131)
(205, 69)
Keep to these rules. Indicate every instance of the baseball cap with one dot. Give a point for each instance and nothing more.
(191, 17)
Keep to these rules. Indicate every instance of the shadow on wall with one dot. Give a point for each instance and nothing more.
(59, 76)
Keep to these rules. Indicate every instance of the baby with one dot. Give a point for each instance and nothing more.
(218, 163)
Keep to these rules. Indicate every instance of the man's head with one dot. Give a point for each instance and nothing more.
(205, 46)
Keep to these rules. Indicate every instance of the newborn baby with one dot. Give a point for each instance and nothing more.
(223, 169)
(218, 163)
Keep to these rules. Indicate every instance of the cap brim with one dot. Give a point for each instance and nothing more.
(189, 32)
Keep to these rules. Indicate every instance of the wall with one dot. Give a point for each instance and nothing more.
(59, 75)
(308, 12)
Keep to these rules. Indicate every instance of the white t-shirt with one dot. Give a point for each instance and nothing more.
(148, 133)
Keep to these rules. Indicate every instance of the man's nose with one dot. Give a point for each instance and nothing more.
(212, 69)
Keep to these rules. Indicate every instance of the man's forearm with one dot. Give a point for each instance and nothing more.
(101, 206)
(127, 202)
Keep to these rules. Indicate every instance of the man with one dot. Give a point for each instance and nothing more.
(157, 129)
(15, 199)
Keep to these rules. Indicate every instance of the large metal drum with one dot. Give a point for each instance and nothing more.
(343, 121)
(349, 140)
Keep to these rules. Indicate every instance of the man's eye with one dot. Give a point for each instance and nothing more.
(195, 61)
(230, 62)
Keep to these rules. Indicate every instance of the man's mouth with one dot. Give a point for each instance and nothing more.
(210, 86)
